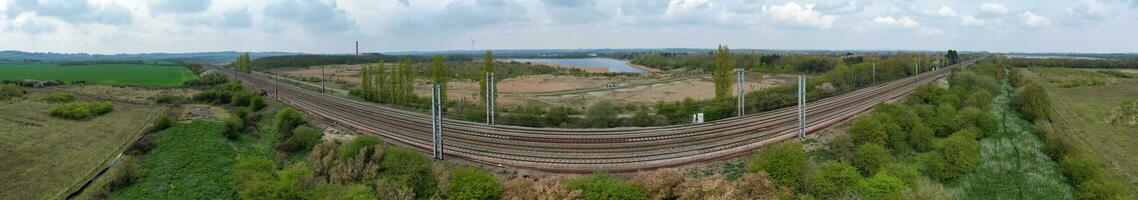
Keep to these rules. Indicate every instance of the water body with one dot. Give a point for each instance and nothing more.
(613, 65)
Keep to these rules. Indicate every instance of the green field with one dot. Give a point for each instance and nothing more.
(43, 156)
(192, 161)
(1081, 114)
(111, 74)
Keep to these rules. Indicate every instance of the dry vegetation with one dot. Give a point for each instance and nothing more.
(76, 148)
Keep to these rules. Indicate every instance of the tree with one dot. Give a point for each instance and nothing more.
(469, 183)
(243, 63)
(874, 129)
(784, 162)
(1033, 102)
(439, 76)
(722, 75)
(952, 57)
(487, 67)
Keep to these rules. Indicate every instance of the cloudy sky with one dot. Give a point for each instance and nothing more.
(331, 26)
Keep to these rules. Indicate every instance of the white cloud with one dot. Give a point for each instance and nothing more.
(969, 20)
(903, 22)
(943, 11)
(1088, 10)
(1033, 20)
(993, 8)
(798, 15)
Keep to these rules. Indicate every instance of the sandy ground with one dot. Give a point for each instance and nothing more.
(348, 73)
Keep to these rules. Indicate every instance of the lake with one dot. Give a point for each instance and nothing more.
(613, 65)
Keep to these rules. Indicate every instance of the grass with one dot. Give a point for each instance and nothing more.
(43, 156)
(1082, 116)
(110, 74)
(1072, 78)
(192, 161)
(1013, 165)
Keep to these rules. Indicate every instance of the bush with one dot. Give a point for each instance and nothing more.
(1103, 188)
(359, 142)
(979, 119)
(605, 186)
(602, 115)
(834, 180)
(410, 168)
(659, 184)
(303, 137)
(711, 187)
(232, 127)
(883, 186)
(256, 103)
(58, 98)
(287, 119)
(944, 120)
(868, 158)
(960, 154)
(1080, 168)
(327, 164)
(980, 99)
(10, 91)
(921, 138)
(545, 188)
(874, 128)
(784, 162)
(143, 145)
(81, 110)
(469, 183)
(125, 173)
(162, 123)
(1032, 101)
(168, 98)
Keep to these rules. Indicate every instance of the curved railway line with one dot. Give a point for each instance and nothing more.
(589, 150)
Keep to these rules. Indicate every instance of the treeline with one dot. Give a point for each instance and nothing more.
(1130, 62)
(389, 85)
(1082, 169)
(788, 63)
(317, 60)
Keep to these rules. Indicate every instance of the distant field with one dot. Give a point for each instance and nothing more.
(110, 74)
(44, 155)
(1082, 114)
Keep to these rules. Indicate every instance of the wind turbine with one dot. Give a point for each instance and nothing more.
(472, 42)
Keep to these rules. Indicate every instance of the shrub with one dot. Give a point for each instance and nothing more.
(784, 162)
(1053, 145)
(960, 154)
(1032, 101)
(359, 142)
(545, 188)
(979, 119)
(711, 187)
(980, 99)
(58, 98)
(759, 186)
(143, 145)
(944, 120)
(410, 168)
(256, 103)
(303, 137)
(469, 183)
(125, 173)
(834, 179)
(883, 186)
(870, 129)
(868, 158)
(1103, 188)
(659, 184)
(9, 91)
(602, 115)
(1080, 168)
(327, 164)
(253, 177)
(841, 147)
(81, 110)
(162, 123)
(391, 188)
(605, 186)
(921, 138)
(926, 189)
(168, 98)
(232, 127)
(287, 119)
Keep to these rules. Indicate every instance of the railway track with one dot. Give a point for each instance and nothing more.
(590, 150)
